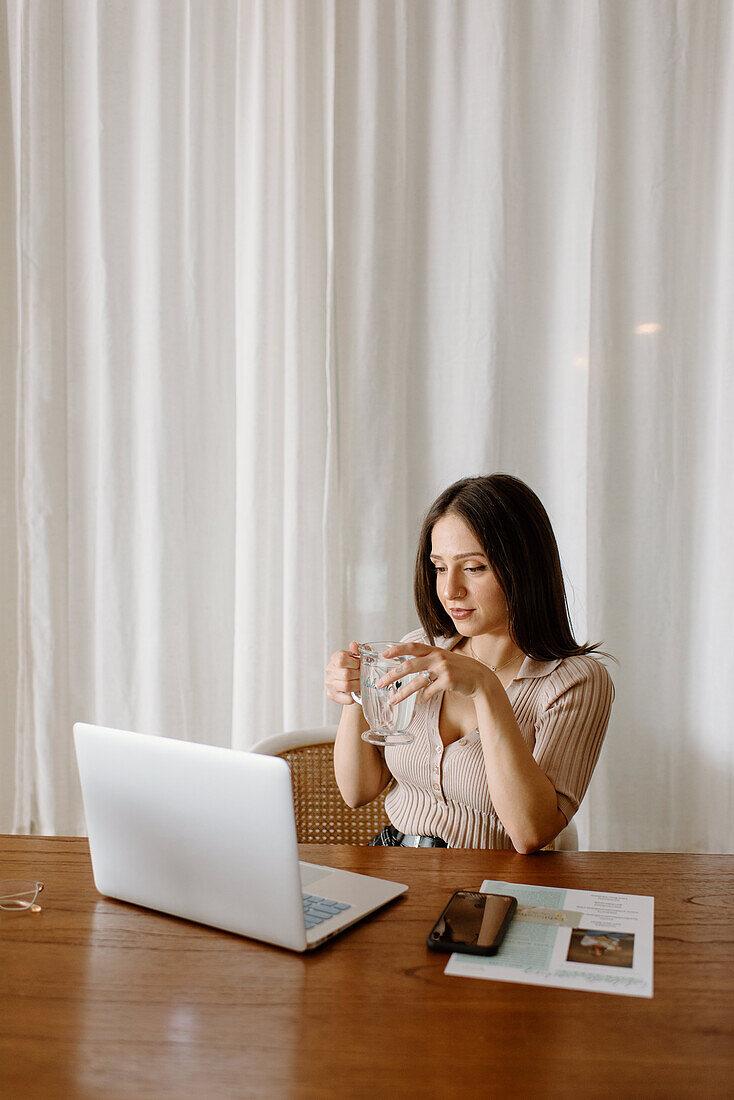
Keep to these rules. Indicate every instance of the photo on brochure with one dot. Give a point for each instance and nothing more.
(601, 948)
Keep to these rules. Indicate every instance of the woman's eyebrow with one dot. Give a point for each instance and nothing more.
(457, 557)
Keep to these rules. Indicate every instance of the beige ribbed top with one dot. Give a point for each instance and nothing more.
(562, 708)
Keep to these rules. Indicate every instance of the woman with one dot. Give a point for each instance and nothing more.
(512, 711)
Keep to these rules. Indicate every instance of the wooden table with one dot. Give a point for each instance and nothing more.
(101, 999)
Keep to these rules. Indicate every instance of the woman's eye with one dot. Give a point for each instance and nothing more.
(440, 568)
(475, 568)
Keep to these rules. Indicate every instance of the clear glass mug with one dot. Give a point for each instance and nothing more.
(388, 724)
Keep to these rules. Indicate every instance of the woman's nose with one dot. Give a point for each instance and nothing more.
(454, 584)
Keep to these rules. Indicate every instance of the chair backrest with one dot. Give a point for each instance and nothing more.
(322, 815)
(568, 839)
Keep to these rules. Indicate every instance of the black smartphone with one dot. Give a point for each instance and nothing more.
(472, 922)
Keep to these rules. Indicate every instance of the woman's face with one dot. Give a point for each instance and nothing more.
(465, 583)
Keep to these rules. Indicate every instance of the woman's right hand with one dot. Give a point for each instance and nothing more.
(342, 675)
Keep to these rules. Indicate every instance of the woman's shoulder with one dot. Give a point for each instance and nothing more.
(583, 670)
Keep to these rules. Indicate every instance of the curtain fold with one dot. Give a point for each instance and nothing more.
(274, 273)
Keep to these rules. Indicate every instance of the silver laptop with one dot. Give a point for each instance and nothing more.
(209, 834)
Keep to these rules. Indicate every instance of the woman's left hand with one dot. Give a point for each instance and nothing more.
(448, 671)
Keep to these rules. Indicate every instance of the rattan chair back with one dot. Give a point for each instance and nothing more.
(322, 815)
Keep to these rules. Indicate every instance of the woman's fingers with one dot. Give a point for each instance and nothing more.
(343, 663)
(408, 668)
(449, 671)
(407, 689)
(343, 681)
(343, 697)
(424, 657)
(410, 679)
(344, 658)
(408, 649)
(342, 674)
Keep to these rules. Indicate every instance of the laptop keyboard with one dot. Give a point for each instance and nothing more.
(316, 910)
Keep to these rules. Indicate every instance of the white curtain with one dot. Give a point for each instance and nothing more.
(274, 274)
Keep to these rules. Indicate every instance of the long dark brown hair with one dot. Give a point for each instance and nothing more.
(515, 533)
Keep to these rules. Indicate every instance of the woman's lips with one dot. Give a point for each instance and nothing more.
(460, 612)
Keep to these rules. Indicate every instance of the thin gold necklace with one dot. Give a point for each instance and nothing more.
(492, 668)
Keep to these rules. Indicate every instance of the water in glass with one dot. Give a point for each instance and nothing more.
(388, 723)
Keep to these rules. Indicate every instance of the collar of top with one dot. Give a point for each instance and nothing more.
(530, 669)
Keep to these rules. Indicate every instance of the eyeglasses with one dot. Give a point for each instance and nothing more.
(20, 893)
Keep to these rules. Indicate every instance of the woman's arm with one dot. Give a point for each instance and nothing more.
(525, 800)
(360, 769)
(569, 734)
(523, 796)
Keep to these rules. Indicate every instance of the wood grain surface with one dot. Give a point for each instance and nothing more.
(101, 999)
